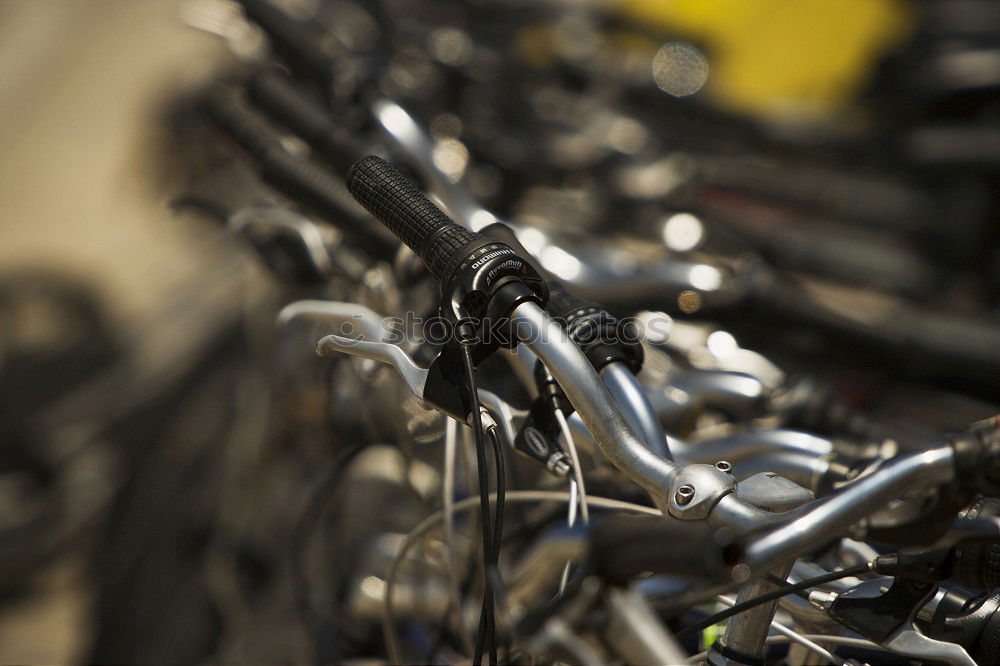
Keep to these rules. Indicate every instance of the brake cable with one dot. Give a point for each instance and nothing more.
(485, 636)
(736, 609)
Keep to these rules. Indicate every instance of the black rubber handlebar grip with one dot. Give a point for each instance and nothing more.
(627, 546)
(562, 305)
(977, 563)
(582, 319)
(397, 202)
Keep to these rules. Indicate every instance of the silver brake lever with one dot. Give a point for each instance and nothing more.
(370, 341)
(909, 642)
(345, 317)
(318, 242)
(244, 221)
(369, 331)
(905, 640)
(383, 352)
(416, 377)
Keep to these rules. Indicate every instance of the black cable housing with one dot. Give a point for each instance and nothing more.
(486, 615)
(715, 618)
(493, 575)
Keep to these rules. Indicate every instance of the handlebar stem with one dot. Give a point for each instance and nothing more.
(747, 631)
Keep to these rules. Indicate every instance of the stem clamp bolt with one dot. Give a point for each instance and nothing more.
(724, 466)
(684, 494)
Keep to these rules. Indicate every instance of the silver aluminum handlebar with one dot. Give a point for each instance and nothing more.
(631, 398)
(595, 405)
(850, 504)
(629, 395)
(797, 531)
(804, 528)
(616, 436)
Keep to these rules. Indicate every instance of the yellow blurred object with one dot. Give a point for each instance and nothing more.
(781, 57)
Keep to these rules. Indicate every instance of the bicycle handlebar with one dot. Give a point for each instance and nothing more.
(448, 250)
(470, 268)
(838, 512)
(396, 202)
(625, 547)
(298, 42)
(592, 401)
(291, 174)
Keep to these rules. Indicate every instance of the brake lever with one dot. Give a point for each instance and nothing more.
(430, 385)
(909, 642)
(337, 314)
(887, 617)
(383, 352)
(714, 349)
(261, 224)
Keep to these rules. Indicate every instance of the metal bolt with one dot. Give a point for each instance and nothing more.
(684, 494)
(724, 466)
(822, 600)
